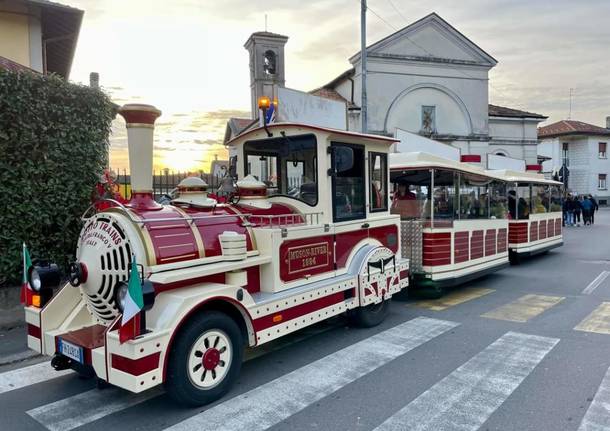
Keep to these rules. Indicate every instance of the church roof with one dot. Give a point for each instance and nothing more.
(571, 127)
(332, 94)
(236, 126)
(483, 58)
(501, 111)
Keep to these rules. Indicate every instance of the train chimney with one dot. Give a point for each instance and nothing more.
(140, 121)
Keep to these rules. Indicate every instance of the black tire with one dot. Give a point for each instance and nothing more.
(402, 295)
(179, 381)
(371, 315)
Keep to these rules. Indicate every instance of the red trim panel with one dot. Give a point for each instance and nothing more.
(437, 248)
(542, 229)
(470, 158)
(558, 227)
(517, 233)
(550, 229)
(461, 246)
(387, 235)
(297, 311)
(345, 243)
(305, 257)
(502, 240)
(135, 367)
(490, 242)
(216, 278)
(533, 231)
(34, 331)
(476, 244)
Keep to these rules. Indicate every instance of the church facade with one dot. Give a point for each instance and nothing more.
(428, 79)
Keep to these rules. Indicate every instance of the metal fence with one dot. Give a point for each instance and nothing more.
(165, 181)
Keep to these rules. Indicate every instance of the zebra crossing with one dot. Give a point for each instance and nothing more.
(464, 399)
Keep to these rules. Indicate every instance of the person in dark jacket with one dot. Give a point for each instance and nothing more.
(587, 209)
(595, 208)
(577, 209)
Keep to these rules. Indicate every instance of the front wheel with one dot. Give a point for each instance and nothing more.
(205, 359)
(371, 315)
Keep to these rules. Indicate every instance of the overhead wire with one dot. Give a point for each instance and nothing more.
(386, 22)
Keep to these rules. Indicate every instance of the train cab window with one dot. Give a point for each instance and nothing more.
(519, 201)
(474, 196)
(287, 165)
(556, 203)
(411, 195)
(348, 170)
(378, 175)
(498, 205)
(541, 199)
(444, 196)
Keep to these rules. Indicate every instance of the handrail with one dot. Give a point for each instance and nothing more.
(308, 218)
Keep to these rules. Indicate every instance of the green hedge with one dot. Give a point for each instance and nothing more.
(53, 147)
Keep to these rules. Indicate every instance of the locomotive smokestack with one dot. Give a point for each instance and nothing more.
(140, 121)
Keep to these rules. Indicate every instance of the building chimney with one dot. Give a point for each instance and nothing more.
(140, 121)
(607, 122)
(94, 80)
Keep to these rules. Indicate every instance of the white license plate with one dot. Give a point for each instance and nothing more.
(71, 351)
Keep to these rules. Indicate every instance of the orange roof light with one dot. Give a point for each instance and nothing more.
(264, 102)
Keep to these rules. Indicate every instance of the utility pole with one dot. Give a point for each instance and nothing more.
(570, 114)
(363, 111)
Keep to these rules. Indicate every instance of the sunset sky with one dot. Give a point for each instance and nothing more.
(187, 57)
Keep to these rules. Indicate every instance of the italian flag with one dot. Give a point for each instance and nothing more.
(134, 303)
(25, 284)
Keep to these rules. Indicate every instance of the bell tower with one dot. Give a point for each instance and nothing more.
(266, 65)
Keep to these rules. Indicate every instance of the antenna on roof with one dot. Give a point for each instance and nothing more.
(265, 22)
(570, 113)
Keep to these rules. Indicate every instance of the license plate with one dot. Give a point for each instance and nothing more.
(71, 351)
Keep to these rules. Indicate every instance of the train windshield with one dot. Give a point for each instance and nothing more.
(287, 165)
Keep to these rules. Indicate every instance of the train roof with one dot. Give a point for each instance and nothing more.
(426, 160)
(313, 129)
(522, 177)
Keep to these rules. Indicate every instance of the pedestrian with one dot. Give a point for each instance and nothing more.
(570, 210)
(587, 208)
(564, 212)
(577, 209)
(595, 208)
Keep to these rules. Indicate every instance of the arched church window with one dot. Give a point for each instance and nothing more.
(269, 62)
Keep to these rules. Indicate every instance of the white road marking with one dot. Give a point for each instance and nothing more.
(597, 417)
(466, 398)
(595, 283)
(26, 376)
(279, 399)
(86, 407)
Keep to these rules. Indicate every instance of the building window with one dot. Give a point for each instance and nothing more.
(602, 150)
(269, 62)
(601, 182)
(428, 119)
(565, 157)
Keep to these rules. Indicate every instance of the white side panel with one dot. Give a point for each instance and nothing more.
(500, 162)
(412, 142)
(298, 107)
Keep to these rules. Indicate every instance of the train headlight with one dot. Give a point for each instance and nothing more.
(120, 294)
(34, 279)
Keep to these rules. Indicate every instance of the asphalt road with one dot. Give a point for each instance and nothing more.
(527, 348)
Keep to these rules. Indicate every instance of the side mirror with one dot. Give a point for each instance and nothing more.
(341, 159)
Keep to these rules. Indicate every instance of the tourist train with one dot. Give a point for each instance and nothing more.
(208, 278)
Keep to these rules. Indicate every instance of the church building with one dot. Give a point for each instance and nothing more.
(427, 78)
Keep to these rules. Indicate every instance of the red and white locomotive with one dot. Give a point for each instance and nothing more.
(307, 235)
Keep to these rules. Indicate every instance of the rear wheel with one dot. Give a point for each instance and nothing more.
(371, 315)
(205, 359)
